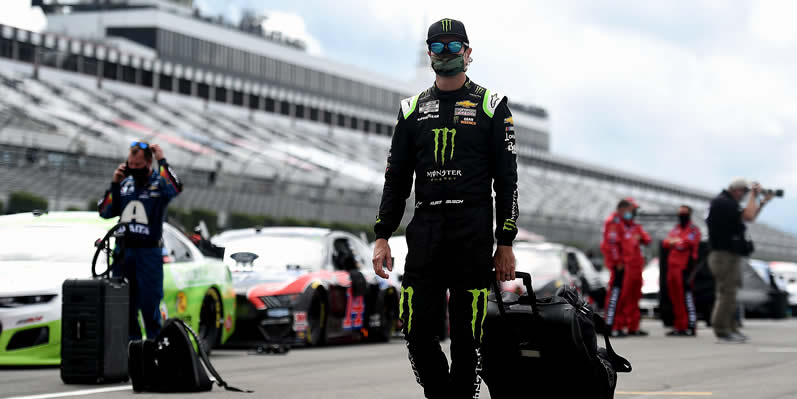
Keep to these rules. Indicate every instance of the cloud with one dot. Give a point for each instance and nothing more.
(293, 25)
(20, 14)
(694, 93)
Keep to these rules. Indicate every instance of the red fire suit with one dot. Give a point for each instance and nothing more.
(680, 253)
(613, 231)
(633, 260)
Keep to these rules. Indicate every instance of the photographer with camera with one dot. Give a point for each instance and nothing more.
(729, 244)
(139, 195)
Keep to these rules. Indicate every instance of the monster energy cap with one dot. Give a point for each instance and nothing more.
(447, 27)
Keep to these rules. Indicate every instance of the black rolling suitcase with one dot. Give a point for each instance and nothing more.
(94, 327)
(549, 345)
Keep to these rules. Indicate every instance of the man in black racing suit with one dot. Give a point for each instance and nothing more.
(457, 138)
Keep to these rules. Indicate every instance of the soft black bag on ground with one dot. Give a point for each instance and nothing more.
(549, 345)
(169, 363)
(94, 326)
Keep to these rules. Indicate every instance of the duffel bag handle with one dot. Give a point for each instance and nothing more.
(526, 277)
(527, 282)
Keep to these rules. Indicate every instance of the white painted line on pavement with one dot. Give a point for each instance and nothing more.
(74, 393)
(778, 350)
(665, 393)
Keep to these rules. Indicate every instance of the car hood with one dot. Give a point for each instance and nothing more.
(266, 280)
(26, 278)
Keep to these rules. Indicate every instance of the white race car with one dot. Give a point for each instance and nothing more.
(788, 272)
(39, 252)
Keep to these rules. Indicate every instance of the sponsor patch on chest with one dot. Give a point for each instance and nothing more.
(468, 121)
(465, 112)
(430, 106)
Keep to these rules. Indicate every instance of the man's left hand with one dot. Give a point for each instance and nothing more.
(157, 151)
(504, 262)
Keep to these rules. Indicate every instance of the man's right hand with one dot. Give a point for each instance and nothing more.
(756, 189)
(382, 255)
(119, 174)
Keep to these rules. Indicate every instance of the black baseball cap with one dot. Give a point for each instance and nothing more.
(447, 27)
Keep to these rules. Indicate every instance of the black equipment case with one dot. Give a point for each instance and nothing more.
(94, 327)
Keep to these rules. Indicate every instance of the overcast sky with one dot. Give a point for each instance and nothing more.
(694, 94)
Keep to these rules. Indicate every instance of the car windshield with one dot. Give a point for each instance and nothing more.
(48, 243)
(275, 252)
(539, 262)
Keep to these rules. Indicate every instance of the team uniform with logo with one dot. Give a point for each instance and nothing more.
(629, 315)
(143, 208)
(613, 231)
(677, 262)
(457, 144)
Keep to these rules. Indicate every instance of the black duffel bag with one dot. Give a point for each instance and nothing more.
(169, 362)
(548, 345)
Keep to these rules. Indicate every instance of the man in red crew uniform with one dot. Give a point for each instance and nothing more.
(682, 242)
(633, 237)
(613, 231)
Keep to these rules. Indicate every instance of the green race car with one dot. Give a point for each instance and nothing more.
(39, 251)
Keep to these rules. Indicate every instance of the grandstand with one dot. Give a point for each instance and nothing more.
(65, 127)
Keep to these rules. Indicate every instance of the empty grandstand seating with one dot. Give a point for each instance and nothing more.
(269, 163)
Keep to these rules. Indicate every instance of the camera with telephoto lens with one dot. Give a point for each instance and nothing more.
(776, 193)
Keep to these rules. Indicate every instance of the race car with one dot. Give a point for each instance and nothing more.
(306, 286)
(39, 251)
(548, 265)
(787, 271)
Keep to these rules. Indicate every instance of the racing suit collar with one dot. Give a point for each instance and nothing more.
(454, 93)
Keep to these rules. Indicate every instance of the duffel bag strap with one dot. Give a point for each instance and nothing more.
(103, 245)
(206, 361)
(619, 363)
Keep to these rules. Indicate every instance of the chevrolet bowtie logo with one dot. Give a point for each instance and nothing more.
(466, 104)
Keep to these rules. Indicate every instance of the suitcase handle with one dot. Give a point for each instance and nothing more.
(526, 277)
(102, 245)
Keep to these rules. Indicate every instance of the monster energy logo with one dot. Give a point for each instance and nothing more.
(444, 132)
(446, 24)
(510, 225)
(409, 292)
(476, 294)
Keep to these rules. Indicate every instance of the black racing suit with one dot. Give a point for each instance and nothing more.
(457, 143)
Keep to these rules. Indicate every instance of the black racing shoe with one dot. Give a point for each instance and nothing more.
(638, 333)
(680, 333)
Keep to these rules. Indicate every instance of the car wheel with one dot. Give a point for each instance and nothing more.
(211, 319)
(317, 320)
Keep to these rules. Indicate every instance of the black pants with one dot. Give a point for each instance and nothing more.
(449, 251)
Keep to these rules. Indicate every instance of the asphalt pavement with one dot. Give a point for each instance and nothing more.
(764, 368)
